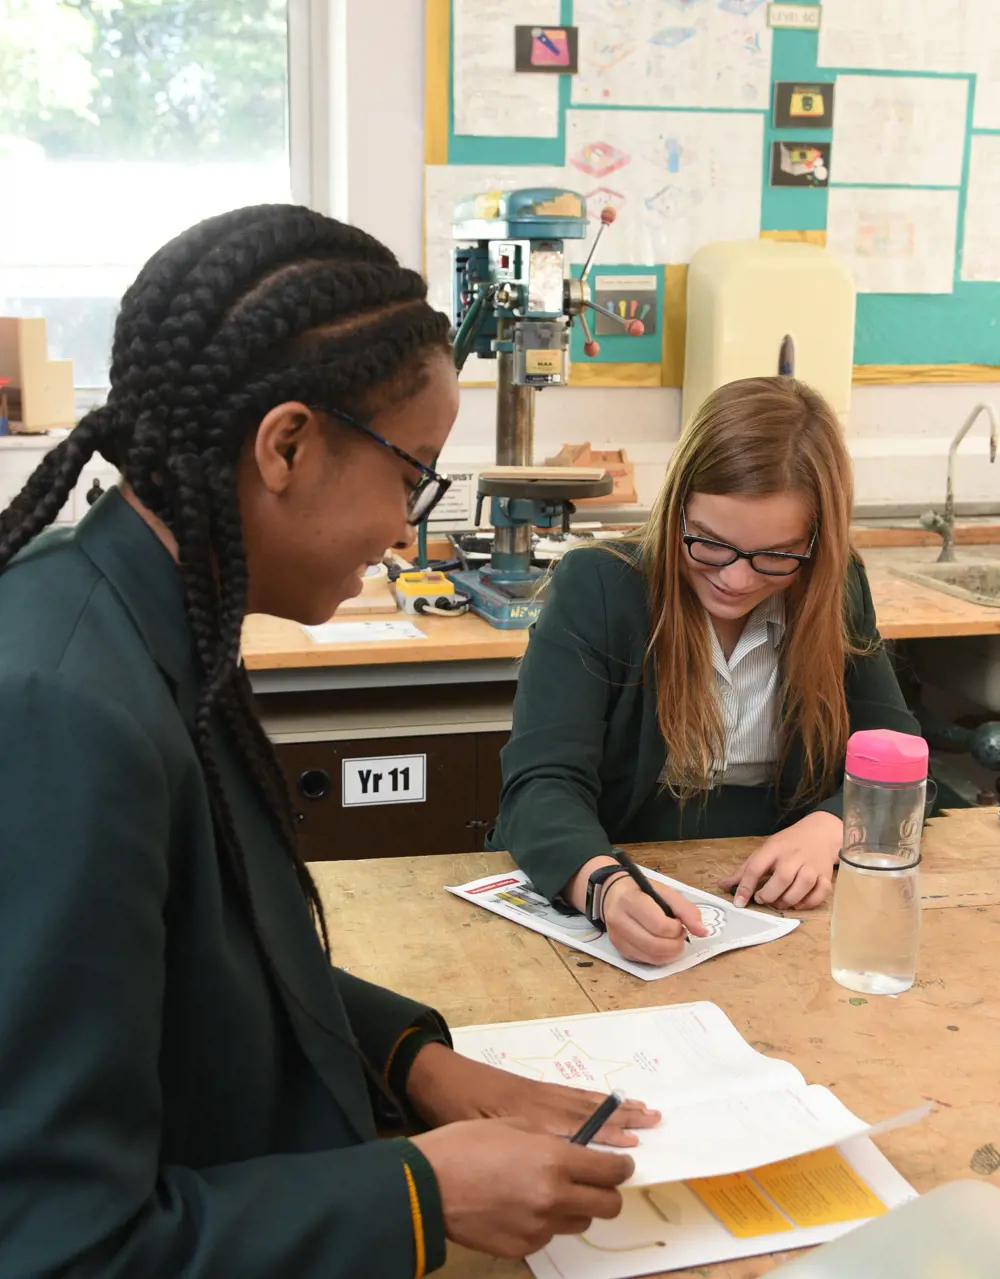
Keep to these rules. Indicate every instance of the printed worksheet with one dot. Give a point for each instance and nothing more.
(894, 240)
(902, 130)
(944, 36)
(726, 1107)
(491, 98)
(796, 1203)
(980, 242)
(673, 53)
(513, 896)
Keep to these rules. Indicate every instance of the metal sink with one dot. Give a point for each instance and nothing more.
(977, 581)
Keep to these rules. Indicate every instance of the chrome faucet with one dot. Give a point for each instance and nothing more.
(945, 524)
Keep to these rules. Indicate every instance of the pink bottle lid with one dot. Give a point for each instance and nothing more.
(880, 755)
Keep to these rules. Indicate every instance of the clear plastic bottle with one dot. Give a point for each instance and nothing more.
(875, 929)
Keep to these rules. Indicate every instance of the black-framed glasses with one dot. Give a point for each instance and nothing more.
(426, 491)
(706, 550)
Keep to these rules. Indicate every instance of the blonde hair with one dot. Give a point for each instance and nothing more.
(755, 438)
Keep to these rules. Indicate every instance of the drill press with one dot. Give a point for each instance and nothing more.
(514, 300)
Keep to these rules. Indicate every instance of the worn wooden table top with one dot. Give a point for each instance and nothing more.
(905, 610)
(392, 923)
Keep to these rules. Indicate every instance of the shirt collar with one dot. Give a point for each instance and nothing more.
(765, 624)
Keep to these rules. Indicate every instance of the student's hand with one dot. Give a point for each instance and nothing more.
(444, 1087)
(793, 870)
(507, 1191)
(640, 931)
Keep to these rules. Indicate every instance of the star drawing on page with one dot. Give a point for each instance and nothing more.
(571, 1064)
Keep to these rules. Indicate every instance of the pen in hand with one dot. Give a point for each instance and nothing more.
(645, 886)
(597, 1120)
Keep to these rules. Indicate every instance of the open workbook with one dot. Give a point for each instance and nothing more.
(748, 1158)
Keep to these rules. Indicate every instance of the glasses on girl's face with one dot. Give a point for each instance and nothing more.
(706, 550)
(426, 491)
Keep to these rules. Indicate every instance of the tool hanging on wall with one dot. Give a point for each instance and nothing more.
(514, 300)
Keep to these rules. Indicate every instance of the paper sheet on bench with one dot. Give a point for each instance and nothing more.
(513, 896)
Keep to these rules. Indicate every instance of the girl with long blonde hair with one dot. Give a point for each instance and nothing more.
(700, 678)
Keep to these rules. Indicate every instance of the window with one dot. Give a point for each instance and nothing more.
(124, 121)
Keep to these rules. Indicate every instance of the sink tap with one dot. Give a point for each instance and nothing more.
(945, 524)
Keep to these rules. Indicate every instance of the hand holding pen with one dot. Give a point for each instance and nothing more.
(647, 924)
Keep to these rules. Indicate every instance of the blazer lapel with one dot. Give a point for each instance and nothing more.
(141, 571)
(285, 930)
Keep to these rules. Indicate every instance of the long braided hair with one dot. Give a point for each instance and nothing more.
(240, 313)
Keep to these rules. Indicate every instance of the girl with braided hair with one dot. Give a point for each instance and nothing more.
(189, 1088)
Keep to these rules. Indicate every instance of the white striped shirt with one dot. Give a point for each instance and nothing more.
(748, 688)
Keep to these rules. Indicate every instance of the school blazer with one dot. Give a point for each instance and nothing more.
(170, 1107)
(581, 770)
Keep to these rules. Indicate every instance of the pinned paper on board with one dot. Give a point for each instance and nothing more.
(674, 53)
(900, 130)
(803, 106)
(980, 241)
(801, 163)
(924, 36)
(894, 240)
(490, 98)
(545, 50)
(630, 297)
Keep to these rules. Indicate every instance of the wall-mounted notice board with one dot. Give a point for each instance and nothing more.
(877, 134)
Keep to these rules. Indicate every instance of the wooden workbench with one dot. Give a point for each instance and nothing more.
(392, 923)
(281, 657)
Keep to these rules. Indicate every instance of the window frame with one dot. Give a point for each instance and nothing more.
(317, 122)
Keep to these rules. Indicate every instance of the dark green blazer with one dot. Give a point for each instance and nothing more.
(169, 1110)
(581, 771)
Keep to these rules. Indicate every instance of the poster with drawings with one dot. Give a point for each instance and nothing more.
(935, 36)
(513, 896)
(678, 179)
(895, 240)
(673, 53)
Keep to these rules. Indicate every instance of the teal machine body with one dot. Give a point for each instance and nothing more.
(514, 300)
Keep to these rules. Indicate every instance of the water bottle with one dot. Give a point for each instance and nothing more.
(875, 929)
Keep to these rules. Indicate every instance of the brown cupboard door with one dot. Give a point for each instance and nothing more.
(444, 821)
(488, 780)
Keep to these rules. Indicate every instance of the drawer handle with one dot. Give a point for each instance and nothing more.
(314, 784)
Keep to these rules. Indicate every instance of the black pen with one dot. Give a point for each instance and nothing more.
(636, 874)
(597, 1120)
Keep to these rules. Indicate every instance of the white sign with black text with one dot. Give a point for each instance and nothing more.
(384, 779)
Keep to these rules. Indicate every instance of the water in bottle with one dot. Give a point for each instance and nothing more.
(875, 929)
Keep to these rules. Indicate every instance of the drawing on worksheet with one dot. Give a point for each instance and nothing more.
(673, 53)
(514, 897)
(939, 36)
(682, 179)
(725, 1106)
(980, 242)
(491, 98)
(900, 130)
(571, 1064)
(714, 919)
(894, 241)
